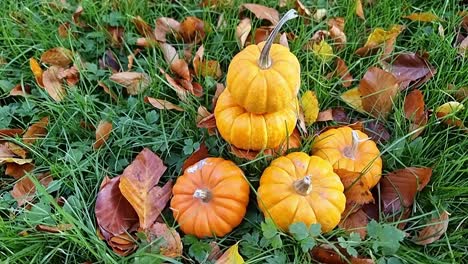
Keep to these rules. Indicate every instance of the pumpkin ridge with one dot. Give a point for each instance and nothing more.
(220, 219)
(287, 173)
(221, 215)
(298, 201)
(209, 186)
(280, 74)
(247, 86)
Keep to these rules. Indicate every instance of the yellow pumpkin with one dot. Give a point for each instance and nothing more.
(251, 131)
(265, 78)
(301, 188)
(351, 150)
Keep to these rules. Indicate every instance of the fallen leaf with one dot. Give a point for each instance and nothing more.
(415, 112)
(110, 62)
(10, 132)
(64, 29)
(301, 125)
(131, 58)
(206, 119)
(378, 89)
(435, 229)
(170, 244)
(211, 68)
(58, 56)
(353, 98)
(179, 89)
(378, 37)
(326, 115)
(327, 254)
(463, 47)
(423, 17)
(359, 10)
(231, 256)
(356, 191)
(199, 154)
(162, 104)
(107, 90)
(138, 185)
(102, 134)
(24, 189)
(323, 50)
(242, 31)
(76, 17)
(165, 25)
(447, 112)
(71, 75)
(19, 91)
(302, 10)
(320, 14)
(336, 28)
(114, 214)
(17, 171)
(263, 12)
(54, 229)
(36, 131)
(177, 65)
(310, 106)
(53, 84)
(399, 188)
(376, 131)
(36, 70)
(343, 72)
(123, 244)
(192, 29)
(411, 69)
(219, 89)
(17, 150)
(135, 82)
(355, 222)
(215, 252)
(461, 94)
(143, 28)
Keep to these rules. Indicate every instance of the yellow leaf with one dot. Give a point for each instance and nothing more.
(323, 50)
(353, 98)
(36, 70)
(380, 35)
(423, 17)
(449, 108)
(231, 256)
(310, 106)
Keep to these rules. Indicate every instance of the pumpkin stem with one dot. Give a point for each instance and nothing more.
(351, 151)
(303, 186)
(202, 194)
(265, 60)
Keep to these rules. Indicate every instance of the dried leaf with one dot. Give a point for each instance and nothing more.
(263, 12)
(107, 90)
(18, 90)
(54, 229)
(243, 31)
(58, 56)
(231, 256)
(165, 25)
(76, 17)
(378, 37)
(36, 131)
(326, 254)
(102, 134)
(431, 233)
(180, 90)
(24, 190)
(123, 244)
(114, 214)
(302, 10)
(355, 222)
(449, 109)
(310, 106)
(353, 98)
(336, 28)
(376, 131)
(206, 119)
(414, 111)
(135, 82)
(399, 188)
(17, 171)
(326, 115)
(359, 10)
(219, 89)
(215, 252)
(320, 14)
(138, 185)
(63, 29)
(170, 244)
(143, 28)
(37, 71)
(71, 75)
(192, 29)
(343, 72)
(53, 84)
(423, 17)
(323, 50)
(199, 154)
(162, 104)
(10, 132)
(411, 68)
(356, 191)
(378, 89)
(463, 47)
(110, 62)
(461, 94)
(17, 150)
(177, 65)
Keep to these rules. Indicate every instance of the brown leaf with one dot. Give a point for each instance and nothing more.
(135, 82)
(336, 28)
(355, 222)
(376, 131)
(123, 244)
(54, 229)
(162, 104)
(411, 68)
(53, 84)
(359, 10)
(36, 130)
(326, 115)
(107, 90)
(211, 68)
(378, 89)
(243, 31)
(58, 56)
(326, 254)
(138, 185)
(423, 17)
(302, 10)
(343, 72)
(114, 214)
(76, 17)
(165, 25)
(199, 154)
(102, 134)
(5, 152)
(179, 89)
(206, 119)
(263, 12)
(463, 47)
(170, 244)
(436, 228)
(415, 112)
(356, 191)
(17, 150)
(17, 171)
(71, 75)
(215, 252)
(64, 29)
(461, 94)
(219, 89)
(399, 188)
(143, 28)
(10, 132)
(192, 29)
(18, 90)
(36, 70)
(24, 190)
(177, 65)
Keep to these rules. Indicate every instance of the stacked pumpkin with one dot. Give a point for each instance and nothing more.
(258, 110)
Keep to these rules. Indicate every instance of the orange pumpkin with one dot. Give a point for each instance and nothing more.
(351, 150)
(265, 78)
(301, 188)
(251, 131)
(210, 198)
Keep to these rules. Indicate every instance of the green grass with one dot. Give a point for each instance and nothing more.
(29, 27)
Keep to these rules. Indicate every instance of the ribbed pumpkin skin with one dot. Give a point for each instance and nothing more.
(331, 145)
(278, 199)
(264, 90)
(228, 204)
(251, 131)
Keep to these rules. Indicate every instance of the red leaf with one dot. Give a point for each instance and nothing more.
(436, 228)
(58, 56)
(17, 171)
(114, 213)
(328, 255)
(199, 154)
(10, 132)
(415, 112)
(411, 68)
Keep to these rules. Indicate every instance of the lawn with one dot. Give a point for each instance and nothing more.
(104, 39)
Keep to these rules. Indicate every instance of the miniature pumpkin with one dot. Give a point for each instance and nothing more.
(210, 198)
(265, 78)
(352, 150)
(301, 188)
(251, 131)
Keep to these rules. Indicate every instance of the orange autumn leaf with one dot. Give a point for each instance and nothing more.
(171, 245)
(343, 72)
(18, 90)
(336, 28)
(123, 244)
(64, 29)
(423, 17)
(10, 132)
(59, 56)
(434, 230)
(36, 130)
(356, 191)
(17, 171)
(138, 185)
(165, 25)
(414, 111)
(143, 28)
(355, 222)
(53, 84)
(37, 71)
(162, 104)
(23, 190)
(206, 119)
(192, 29)
(177, 65)
(102, 134)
